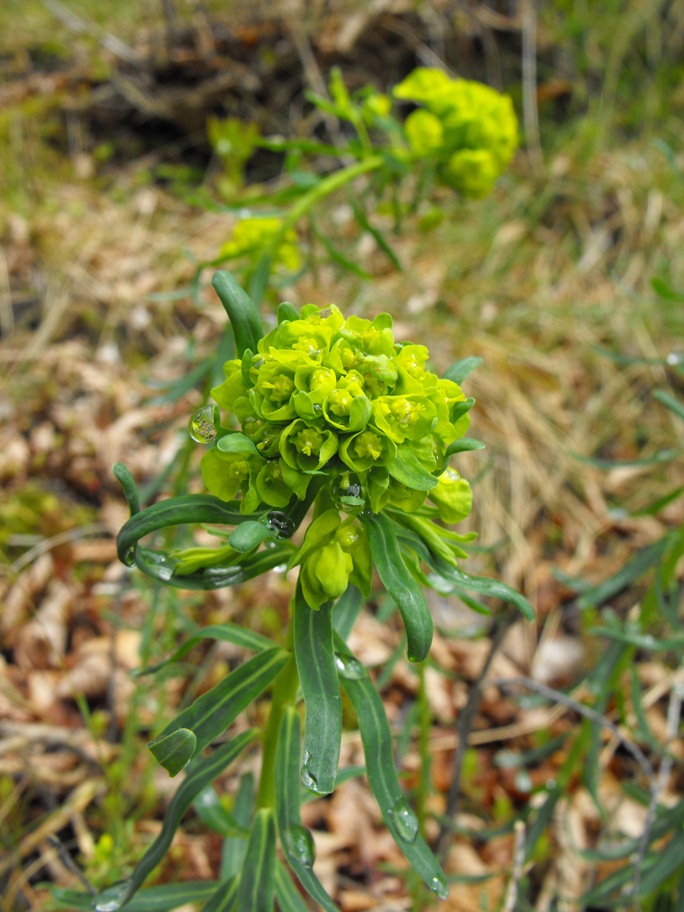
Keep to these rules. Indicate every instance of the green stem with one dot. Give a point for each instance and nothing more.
(284, 692)
(322, 190)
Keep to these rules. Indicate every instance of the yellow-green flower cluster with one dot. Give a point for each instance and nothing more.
(469, 129)
(339, 405)
(252, 235)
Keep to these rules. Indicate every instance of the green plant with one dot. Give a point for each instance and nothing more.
(346, 434)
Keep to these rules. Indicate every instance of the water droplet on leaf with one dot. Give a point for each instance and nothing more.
(350, 668)
(404, 820)
(202, 427)
(439, 886)
(280, 523)
(309, 781)
(112, 898)
(298, 842)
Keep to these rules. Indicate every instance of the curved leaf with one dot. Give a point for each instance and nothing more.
(243, 315)
(211, 714)
(162, 567)
(202, 774)
(125, 479)
(257, 879)
(176, 511)
(408, 470)
(296, 841)
(382, 777)
(400, 585)
(313, 649)
(462, 583)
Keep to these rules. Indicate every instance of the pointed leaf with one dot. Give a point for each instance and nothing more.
(211, 714)
(382, 776)
(462, 583)
(243, 315)
(459, 370)
(153, 899)
(400, 585)
(175, 750)
(313, 649)
(127, 482)
(257, 880)
(295, 839)
(249, 535)
(408, 470)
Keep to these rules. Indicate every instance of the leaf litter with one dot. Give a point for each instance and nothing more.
(537, 291)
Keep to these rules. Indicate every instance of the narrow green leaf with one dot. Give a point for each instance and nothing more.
(459, 370)
(462, 583)
(257, 880)
(127, 482)
(243, 315)
(662, 456)
(211, 714)
(153, 899)
(161, 567)
(296, 841)
(382, 776)
(226, 633)
(401, 586)
(287, 894)
(200, 775)
(313, 649)
(175, 750)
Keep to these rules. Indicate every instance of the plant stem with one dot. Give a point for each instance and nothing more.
(326, 187)
(284, 692)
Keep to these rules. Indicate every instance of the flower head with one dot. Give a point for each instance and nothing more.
(469, 129)
(338, 408)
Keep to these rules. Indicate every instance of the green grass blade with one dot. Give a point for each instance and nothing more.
(226, 633)
(211, 714)
(202, 774)
(243, 315)
(459, 370)
(257, 880)
(400, 585)
(674, 405)
(382, 776)
(313, 649)
(296, 840)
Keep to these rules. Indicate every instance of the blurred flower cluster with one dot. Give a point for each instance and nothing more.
(252, 235)
(337, 408)
(470, 130)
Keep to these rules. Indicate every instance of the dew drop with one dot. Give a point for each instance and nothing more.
(404, 820)
(439, 886)
(317, 408)
(350, 668)
(202, 426)
(298, 842)
(675, 358)
(309, 781)
(112, 898)
(280, 523)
